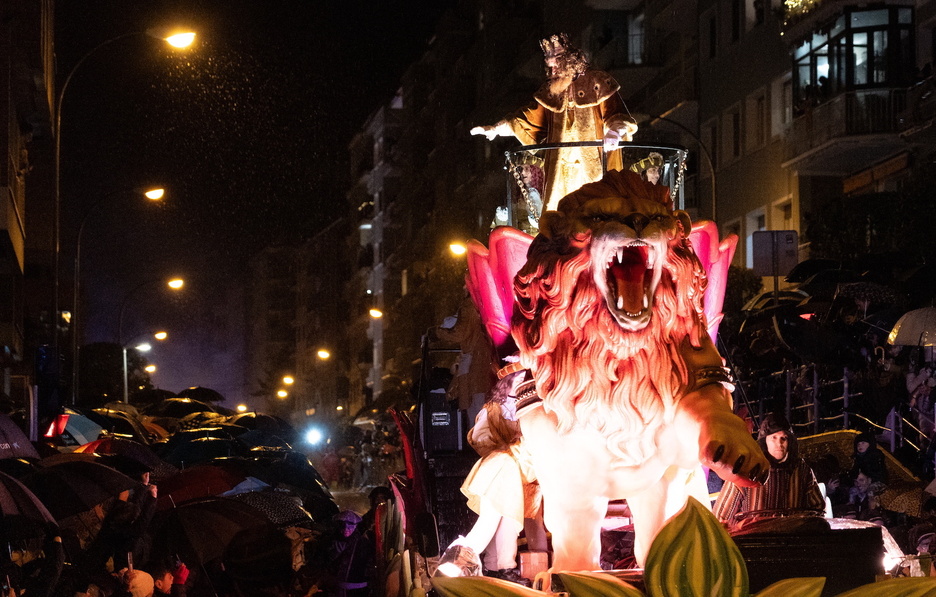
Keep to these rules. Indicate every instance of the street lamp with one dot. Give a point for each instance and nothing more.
(142, 347)
(323, 354)
(174, 284)
(153, 195)
(175, 41)
(458, 249)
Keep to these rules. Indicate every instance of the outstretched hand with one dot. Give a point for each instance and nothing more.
(501, 129)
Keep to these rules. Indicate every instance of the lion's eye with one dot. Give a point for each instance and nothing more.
(600, 217)
(661, 218)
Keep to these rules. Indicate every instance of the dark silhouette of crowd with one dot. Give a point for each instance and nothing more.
(279, 531)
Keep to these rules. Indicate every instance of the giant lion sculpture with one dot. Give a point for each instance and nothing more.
(630, 390)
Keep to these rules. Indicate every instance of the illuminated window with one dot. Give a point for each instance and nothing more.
(862, 49)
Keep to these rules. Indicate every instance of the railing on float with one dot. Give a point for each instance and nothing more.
(828, 405)
(517, 209)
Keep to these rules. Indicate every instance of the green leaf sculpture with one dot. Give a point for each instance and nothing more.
(594, 584)
(795, 587)
(693, 555)
(480, 586)
(924, 586)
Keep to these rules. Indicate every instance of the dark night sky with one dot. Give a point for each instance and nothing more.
(247, 130)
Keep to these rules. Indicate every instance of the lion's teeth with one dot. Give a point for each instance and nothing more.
(620, 254)
(620, 302)
(646, 302)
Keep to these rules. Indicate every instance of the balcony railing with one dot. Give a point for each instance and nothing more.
(860, 112)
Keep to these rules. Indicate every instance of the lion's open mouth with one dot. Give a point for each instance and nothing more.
(628, 280)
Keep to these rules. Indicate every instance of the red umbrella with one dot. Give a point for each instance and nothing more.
(193, 483)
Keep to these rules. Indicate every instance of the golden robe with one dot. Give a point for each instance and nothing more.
(589, 108)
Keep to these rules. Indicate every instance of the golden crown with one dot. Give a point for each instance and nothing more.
(555, 45)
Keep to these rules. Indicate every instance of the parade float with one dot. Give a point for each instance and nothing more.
(599, 309)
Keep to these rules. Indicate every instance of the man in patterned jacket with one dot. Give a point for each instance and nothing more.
(790, 491)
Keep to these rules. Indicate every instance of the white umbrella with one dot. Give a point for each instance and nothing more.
(915, 328)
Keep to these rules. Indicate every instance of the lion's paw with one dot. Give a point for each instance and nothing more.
(727, 448)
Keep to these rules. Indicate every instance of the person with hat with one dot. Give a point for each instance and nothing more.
(790, 490)
(350, 566)
(577, 103)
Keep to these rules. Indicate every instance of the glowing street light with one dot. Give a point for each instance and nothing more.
(323, 354)
(142, 347)
(339, 407)
(376, 313)
(154, 195)
(241, 408)
(282, 394)
(177, 40)
(181, 40)
(150, 368)
(174, 284)
(458, 249)
(288, 380)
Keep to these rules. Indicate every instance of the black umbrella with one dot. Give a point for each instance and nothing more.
(76, 486)
(203, 450)
(202, 394)
(13, 442)
(281, 508)
(179, 407)
(199, 531)
(286, 470)
(804, 269)
(825, 283)
(22, 515)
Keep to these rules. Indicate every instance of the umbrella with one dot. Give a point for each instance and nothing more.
(259, 439)
(200, 419)
(71, 487)
(194, 483)
(13, 442)
(825, 283)
(868, 293)
(22, 515)
(79, 429)
(915, 328)
(133, 451)
(202, 394)
(281, 508)
(123, 423)
(17, 467)
(199, 531)
(202, 450)
(804, 269)
(286, 470)
(179, 407)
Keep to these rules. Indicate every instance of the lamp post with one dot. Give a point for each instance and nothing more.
(155, 194)
(143, 347)
(177, 40)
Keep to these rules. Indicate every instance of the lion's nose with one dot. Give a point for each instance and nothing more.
(637, 221)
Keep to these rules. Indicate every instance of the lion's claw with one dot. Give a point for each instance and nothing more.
(755, 473)
(719, 452)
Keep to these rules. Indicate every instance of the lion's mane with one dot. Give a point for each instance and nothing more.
(589, 371)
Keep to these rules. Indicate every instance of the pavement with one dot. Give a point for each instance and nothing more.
(352, 499)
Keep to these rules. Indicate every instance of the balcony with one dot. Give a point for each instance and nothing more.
(850, 132)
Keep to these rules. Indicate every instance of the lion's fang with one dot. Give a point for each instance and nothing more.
(620, 303)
